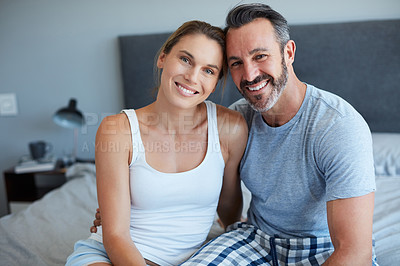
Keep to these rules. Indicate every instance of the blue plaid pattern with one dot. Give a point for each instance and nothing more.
(245, 244)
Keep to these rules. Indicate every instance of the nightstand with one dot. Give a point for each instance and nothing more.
(25, 188)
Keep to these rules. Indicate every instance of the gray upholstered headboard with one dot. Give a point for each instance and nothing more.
(359, 61)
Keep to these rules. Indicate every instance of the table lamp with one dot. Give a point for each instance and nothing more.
(70, 117)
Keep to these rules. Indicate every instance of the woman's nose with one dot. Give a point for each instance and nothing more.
(192, 76)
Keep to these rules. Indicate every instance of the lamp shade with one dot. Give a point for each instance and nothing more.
(70, 116)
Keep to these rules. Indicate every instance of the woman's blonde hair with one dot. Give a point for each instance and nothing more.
(188, 28)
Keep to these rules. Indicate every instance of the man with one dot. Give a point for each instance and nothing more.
(308, 162)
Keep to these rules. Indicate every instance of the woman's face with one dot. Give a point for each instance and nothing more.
(191, 70)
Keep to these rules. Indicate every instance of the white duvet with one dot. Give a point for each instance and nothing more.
(45, 233)
(387, 220)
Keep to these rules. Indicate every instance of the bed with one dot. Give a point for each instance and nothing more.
(359, 61)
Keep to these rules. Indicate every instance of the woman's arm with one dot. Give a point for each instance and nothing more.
(113, 154)
(233, 134)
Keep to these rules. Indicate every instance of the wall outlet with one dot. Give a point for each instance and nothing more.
(8, 104)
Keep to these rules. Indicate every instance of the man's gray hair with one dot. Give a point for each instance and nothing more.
(246, 13)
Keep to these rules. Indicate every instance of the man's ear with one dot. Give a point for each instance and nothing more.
(161, 59)
(290, 50)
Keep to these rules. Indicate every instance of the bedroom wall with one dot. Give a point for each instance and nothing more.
(51, 51)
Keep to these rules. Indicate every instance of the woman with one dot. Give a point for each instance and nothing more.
(164, 169)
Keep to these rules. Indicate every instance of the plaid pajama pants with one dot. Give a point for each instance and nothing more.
(244, 244)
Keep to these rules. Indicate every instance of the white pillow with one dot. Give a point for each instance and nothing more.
(386, 148)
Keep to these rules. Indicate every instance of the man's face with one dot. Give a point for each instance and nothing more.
(256, 63)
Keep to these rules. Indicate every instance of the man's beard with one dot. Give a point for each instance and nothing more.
(278, 86)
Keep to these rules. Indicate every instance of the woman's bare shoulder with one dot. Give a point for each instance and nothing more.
(230, 121)
(114, 125)
(232, 129)
(233, 133)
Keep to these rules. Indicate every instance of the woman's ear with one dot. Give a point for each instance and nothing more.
(160, 60)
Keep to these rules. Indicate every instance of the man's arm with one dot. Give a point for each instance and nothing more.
(350, 227)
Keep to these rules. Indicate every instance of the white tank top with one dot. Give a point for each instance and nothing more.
(172, 213)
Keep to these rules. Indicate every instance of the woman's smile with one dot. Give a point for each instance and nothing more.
(185, 90)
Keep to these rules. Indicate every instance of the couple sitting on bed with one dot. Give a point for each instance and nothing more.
(308, 162)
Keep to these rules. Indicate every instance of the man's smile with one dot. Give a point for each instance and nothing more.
(257, 88)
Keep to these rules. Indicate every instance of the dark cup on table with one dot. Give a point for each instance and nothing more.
(39, 149)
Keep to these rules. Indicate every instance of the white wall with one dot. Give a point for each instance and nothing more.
(53, 50)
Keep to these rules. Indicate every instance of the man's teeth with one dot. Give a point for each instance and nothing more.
(185, 90)
(258, 87)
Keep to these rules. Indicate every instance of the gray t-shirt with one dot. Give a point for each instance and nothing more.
(323, 153)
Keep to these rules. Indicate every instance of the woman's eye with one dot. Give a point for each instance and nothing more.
(209, 71)
(185, 59)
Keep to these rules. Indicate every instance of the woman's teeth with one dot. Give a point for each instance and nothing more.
(258, 87)
(186, 90)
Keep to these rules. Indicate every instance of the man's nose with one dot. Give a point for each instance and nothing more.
(250, 71)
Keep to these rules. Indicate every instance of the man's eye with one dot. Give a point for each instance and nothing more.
(260, 56)
(235, 64)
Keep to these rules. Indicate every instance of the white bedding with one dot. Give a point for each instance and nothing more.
(387, 220)
(44, 234)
